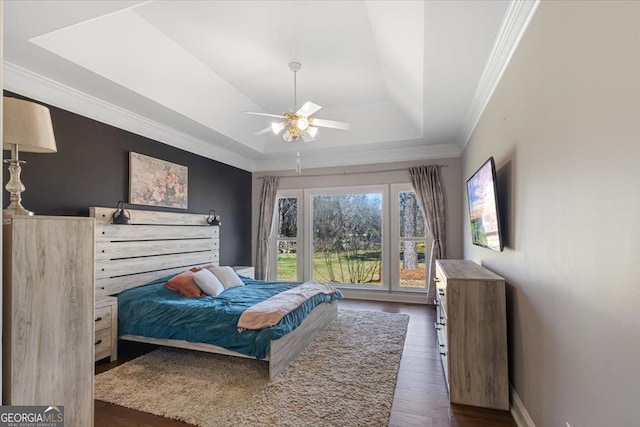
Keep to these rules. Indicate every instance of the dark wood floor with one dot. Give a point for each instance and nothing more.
(420, 400)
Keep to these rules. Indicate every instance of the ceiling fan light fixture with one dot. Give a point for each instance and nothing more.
(299, 124)
(302, 123)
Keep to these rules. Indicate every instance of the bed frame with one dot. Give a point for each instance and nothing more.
(157, 244)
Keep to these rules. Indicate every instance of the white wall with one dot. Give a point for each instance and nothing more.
(367, 175)
(564, 128)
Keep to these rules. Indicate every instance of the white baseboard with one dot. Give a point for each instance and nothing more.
(407, 297)
(519, 412)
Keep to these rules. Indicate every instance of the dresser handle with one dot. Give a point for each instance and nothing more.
(441, 324)
(436, 302)
(441, 293)
(442, 345)
(437, 280)
(98, 319)
(443, 353)
(98, 342)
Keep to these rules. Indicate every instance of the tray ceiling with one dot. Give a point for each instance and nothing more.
(406, 74)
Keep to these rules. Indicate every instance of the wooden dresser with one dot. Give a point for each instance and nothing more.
(472, 333)
(48, 297)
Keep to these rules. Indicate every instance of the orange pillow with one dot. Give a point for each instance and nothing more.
(184, 284)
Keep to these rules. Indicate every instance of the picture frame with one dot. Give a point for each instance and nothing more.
(155, 182)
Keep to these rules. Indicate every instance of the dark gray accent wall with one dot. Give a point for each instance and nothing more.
(91, 168)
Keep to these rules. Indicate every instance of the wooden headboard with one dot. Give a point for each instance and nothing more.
(155, 245)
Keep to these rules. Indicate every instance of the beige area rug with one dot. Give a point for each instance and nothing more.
(346, 377)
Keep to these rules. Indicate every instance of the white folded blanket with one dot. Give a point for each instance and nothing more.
(270, 311)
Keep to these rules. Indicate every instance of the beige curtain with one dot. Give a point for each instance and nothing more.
(265, 222)
(426, 184)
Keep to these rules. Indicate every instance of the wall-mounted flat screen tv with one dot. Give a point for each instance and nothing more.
(482, 195)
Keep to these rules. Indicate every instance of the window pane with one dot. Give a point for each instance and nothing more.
(287, 260)
(347, 238)
(412, 265)
(287, 217)
(411, 218)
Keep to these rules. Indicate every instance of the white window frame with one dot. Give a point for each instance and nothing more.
(395, 240)
(273, 240)
(360, 189)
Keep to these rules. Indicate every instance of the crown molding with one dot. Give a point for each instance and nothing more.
(515, 22)
(332, 158)
(27, 83)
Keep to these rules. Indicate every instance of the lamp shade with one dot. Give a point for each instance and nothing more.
(28, 125)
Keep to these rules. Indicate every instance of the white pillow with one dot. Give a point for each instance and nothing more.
(208, 282)
(227, 276)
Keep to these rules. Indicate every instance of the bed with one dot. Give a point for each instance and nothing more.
(160, 244)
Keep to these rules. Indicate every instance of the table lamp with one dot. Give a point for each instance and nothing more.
(26, 126)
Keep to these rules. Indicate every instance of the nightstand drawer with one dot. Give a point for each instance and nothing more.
(102, 344)
(102, 318)
(106, 328)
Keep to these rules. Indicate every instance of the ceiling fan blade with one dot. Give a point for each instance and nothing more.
(265, 114)
(331, 124)
(306, 137)
(263, 131)
(308, 109)
(277, 127)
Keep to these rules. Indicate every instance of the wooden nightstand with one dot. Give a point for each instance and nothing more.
(106, 326)
(245, 271)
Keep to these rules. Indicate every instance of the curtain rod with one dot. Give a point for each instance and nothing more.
(347, 173)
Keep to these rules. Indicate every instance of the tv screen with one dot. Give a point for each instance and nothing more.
(482, 195)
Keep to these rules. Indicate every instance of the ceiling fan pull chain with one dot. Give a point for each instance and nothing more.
(298, 168)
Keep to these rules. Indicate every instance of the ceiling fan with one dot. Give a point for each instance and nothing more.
(299, 124)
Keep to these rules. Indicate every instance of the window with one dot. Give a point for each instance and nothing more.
(286, 241)
(366, 237)
(347, 244)
(411, 251)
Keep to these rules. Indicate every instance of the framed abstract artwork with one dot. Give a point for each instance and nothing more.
(155, 182)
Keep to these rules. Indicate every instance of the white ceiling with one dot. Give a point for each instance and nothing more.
(412, 77)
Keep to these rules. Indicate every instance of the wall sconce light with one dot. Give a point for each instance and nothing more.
(213, 218)
(26, 125)
(120, 216)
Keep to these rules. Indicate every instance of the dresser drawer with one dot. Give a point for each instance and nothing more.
(443, 349)
(443, 346)
(441, 292)
(102, 318)
(102, 344)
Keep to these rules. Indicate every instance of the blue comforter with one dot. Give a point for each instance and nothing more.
(155, 311)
